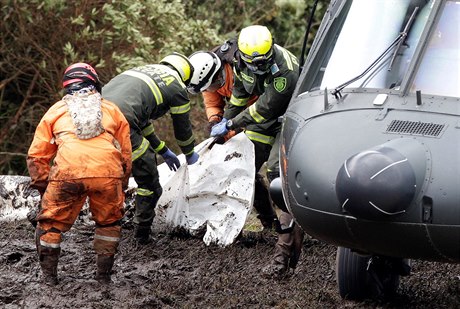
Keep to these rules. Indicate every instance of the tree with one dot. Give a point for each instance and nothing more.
(39, 39)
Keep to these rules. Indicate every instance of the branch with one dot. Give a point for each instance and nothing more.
(18, 114)
(6, 81)
(13, 154)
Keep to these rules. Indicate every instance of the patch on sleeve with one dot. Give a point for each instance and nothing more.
(280, 83)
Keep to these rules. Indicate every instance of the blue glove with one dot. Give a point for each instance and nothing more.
(192, 158)
(171, 159)
(220, 129)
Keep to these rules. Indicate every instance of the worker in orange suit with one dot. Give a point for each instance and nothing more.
(213, 77)
(81, 148)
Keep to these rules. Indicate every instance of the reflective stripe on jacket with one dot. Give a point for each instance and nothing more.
(274, 89)
(147, 93)
(214, 102)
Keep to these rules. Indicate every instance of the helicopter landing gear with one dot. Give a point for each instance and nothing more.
(368, 277)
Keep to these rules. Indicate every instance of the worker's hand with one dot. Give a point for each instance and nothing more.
(192, 158)
(32, 216)
(171, 159)
(40, 186)
(220, 129)
(213, 120)
(211, 124)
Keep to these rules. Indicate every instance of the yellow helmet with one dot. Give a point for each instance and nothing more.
(181, 64)
(255, 43)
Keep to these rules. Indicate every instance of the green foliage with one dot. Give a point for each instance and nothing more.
(40, 38)
(286, 19)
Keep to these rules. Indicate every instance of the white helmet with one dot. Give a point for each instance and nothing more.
(206, 66)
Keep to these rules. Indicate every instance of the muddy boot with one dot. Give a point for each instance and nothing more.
(104, 268)
(49, 258)
(287, 250)
(278, 267)
(142, 234)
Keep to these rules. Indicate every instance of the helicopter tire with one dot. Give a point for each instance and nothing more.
(358, 278)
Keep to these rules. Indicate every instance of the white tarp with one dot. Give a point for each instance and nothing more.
(213, 196)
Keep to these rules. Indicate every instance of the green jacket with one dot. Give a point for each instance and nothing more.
(274, 89)
(146, 93)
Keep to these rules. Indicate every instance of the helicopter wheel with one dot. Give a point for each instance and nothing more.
(363, 276)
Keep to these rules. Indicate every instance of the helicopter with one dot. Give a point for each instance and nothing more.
(370, 142)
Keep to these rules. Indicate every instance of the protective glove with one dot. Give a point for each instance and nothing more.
(171, 159)
(220, 129)
(211, 124)
(192, 158)
(213, 120)
(32, 216)
(40, 186)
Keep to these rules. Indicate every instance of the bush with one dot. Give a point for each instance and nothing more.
(39, 39)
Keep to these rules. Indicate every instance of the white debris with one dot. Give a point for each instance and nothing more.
(213, 196)
(16, 197)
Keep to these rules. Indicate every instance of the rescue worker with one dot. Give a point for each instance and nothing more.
(271, 72)
(213, 77)
(143, 94)
(81, 148)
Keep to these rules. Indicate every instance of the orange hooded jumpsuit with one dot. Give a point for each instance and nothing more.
(66, 170)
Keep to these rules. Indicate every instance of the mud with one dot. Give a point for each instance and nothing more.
(177, 271)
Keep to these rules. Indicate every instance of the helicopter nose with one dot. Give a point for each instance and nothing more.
(376, 184)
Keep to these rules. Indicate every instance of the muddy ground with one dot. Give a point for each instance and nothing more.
(176, 271)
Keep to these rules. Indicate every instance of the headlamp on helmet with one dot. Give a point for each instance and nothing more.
(207, 72)
(181, 64)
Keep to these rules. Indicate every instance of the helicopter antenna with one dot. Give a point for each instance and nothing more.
(305, 39)
(396, 43)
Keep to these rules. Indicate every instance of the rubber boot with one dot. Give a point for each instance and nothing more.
(287, 250)
(142, 234)
(104, 268)
(143, 217)
(263, 204)
(49, 258)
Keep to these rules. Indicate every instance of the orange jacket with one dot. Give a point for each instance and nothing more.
(214, 102)
(106, 155)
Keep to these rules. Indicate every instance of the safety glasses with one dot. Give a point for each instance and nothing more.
(258, 64)
(256, 59)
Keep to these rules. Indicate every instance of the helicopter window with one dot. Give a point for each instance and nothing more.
(361, 32)
(439, 70)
